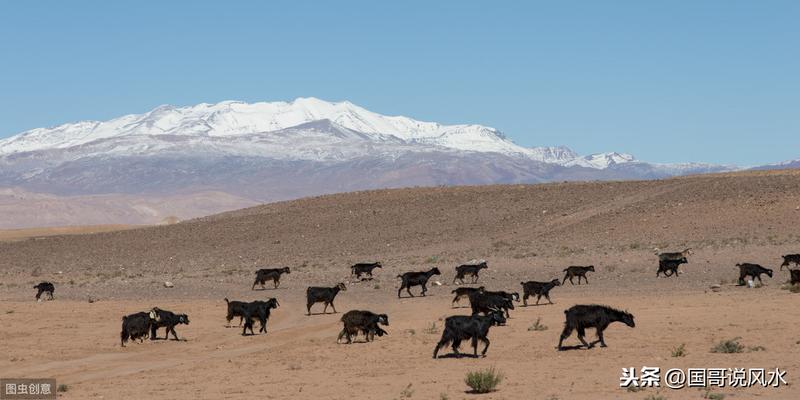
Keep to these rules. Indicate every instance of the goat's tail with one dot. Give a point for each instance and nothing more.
(399, 276)
(226, 301)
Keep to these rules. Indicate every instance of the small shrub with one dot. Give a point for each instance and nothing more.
(443, 396)
(432, 329)
(756, 348)
(712, 396)
(377, 286)
(679, 351)
(483, 381)
(728, 346)
(407, 392)
(537, 326)
(655, 397)
(634, 389)
(794, 289)
(62, 388)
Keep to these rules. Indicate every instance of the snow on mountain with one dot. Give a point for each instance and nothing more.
(232, 120)
(601, 160)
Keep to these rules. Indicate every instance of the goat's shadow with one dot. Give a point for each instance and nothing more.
(269, 288)
(459, 355)
(322, 313)
(419, 296)
(158, 339)
(576, 347)
(537, 305)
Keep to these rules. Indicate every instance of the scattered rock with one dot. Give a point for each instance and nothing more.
(168, 284)
(437, 283)
(716, 288)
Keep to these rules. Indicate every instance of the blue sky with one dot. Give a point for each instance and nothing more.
(714, 81)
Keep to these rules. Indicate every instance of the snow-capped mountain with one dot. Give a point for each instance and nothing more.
(229, 123)
(277, 151)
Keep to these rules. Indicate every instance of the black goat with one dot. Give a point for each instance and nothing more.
(410, 279)
(794, 276)
(464, 292)
(235, 309)
(356, 321)
(487, 302)
(790, 258)
(752, 270)
(45, 287)
(539, 289)
(595, 316)
(474, 327)
(670, 267)
(260, 310)
(265, 274)
(167, 319)
(573, 271)
(135, 326)
(674, 256)
(469, 269)
(323, 295)
(364, 268)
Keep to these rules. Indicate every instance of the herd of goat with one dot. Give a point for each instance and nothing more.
(489, 308)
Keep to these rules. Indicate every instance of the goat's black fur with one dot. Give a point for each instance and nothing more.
(367, 322)
(265, 274)
(166, 319)
(323, 295)
(752, 270)
(410, 279)
(580, 272)
(790, 258)
(364, 268)
(464, 292)
(670, 267)
(135, 326)
(45, 287)
(474, 327)
(260, 310)
(595, 316)
(469, 269)
(538, 289)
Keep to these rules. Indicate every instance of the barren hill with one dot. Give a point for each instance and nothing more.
(581, 221)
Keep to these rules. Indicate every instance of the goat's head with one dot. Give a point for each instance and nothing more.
(590, 268)
(378, 265)
(769, 272)
(556, 282)
(341, 286)
(627, 319)
(273, 303)
(383, 319)
(286, 270)
(483, 265)
(497, 317)
(183, 319)
(435, 271)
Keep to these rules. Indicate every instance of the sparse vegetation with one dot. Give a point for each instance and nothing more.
(537, 326)
(756, 348)
(679, 351)
(712, 396)
(443, 396)
(407, 392)
(655, 397)
(62, 388)
(484, 381)
(432, 329)
(728, 346)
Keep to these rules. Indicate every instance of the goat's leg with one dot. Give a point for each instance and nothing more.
(475, 346)
(424, 288)
(581, 337)
(600, 338)
(408, 289)
(525, 300)
(276, 281)
(456, 345)
(334, 307)
(325, 310)
(399, 290)
(563, 281)
(153, 329)
(564, 334)
(174, 334)
(485, 340)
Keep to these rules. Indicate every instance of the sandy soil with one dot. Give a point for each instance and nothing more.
(615, 226)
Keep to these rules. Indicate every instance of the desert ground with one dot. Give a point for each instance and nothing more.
(525, 232)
